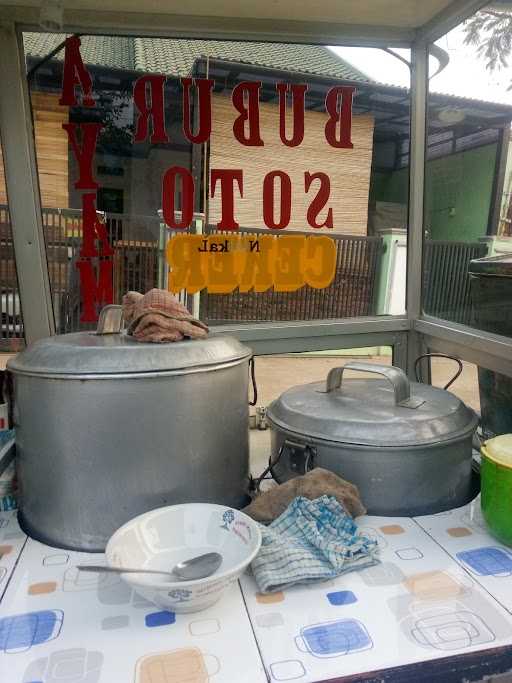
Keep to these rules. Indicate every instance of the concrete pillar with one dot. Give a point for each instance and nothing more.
(391, 278)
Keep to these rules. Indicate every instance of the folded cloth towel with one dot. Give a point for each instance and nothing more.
(313, 540)
(317, 482)
(158, 316)
(156, 301)
(155, 327)
(130, 302)
(155, 333)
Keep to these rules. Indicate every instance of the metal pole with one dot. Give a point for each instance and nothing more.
(419, 88)
(23, 189)
(498, 181)
(448, 18)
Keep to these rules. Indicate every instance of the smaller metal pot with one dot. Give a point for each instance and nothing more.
(407, 446)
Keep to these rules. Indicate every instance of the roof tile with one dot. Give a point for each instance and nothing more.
(177, 56)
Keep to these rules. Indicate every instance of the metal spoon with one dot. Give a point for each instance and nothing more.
(196, 568)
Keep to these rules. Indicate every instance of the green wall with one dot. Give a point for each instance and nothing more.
(458, 193)
(390, 187)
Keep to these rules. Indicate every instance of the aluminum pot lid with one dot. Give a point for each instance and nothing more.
(89, 353)
(389, 411)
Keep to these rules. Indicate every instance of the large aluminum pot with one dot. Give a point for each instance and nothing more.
(108, 428)
(407, 446)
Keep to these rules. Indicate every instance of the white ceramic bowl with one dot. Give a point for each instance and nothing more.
(161, 538)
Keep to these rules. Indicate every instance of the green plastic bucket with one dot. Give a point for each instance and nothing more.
(496, 485)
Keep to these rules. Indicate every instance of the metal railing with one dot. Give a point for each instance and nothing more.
(11, 337)
(138, 259)
(351, 293)
(139, 264)
(446, 288)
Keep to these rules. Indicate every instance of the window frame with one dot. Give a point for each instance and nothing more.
(408, 334)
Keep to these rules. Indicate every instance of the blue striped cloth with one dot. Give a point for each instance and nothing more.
(313, 540)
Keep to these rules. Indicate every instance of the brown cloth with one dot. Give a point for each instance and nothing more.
(158, 316)
(130, 302)
(318, 482)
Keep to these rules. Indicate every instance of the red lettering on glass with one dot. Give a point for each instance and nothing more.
(169, 195)
(268, 200)
(84, 154)
(93, 229)
(249, 113)
(339, 115)
(153, 110)
(298, 104)
(95, 292)
(320, 200)
(75, 73)
(227, 178)
(204, 87)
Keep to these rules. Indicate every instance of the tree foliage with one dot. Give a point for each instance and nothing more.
(490, 31)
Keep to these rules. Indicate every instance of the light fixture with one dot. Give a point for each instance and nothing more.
(51, 15)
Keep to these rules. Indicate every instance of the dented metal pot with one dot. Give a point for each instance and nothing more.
(108, 428)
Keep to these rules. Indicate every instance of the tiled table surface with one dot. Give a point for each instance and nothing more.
(443, 588)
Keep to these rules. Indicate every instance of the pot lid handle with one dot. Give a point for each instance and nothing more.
(110, 320)
(398, 379)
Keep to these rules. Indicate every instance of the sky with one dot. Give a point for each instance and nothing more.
(465, 75)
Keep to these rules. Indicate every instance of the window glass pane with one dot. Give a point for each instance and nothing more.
(11, 321)
(468, 210)
(351, 174)
(484, 390)
(465, 386)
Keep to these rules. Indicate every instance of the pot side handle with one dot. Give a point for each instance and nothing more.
(397, 378)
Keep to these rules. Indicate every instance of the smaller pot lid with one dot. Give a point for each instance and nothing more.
(499, 449)
(372, 412)
(88, 353)
(497, 266)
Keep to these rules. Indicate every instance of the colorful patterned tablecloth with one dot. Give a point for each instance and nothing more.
(419, 604)
(463, 534)
(59, 625)
(12, 542)
(442, 590)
